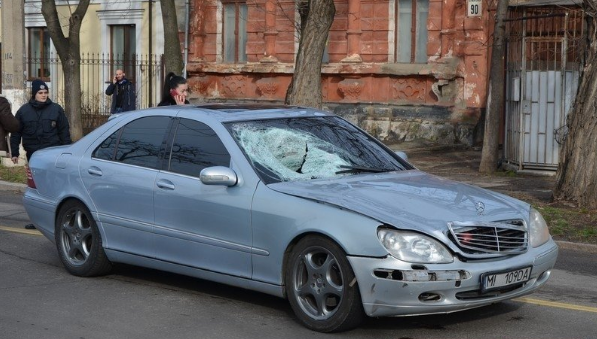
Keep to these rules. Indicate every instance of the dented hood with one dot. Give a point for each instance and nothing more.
(409, 199)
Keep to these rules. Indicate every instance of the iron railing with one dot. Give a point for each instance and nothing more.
(97, 71)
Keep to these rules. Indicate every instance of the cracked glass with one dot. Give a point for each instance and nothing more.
(311, 148)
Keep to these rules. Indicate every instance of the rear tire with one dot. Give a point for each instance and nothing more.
(79, 242)
(321, 286)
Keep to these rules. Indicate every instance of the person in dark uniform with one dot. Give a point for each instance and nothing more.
(122, 92)
(43, 124)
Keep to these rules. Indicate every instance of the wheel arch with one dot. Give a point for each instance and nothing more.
(291, 246)
(93, 213)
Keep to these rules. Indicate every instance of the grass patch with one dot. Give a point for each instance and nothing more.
(15, 174)
(571, 224)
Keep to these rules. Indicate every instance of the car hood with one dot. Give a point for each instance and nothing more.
(409, 199)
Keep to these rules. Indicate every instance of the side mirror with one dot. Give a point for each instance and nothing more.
(218, 175)
(402, 155)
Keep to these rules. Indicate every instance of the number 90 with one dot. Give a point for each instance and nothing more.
(474, 9)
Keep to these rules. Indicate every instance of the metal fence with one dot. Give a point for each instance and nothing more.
(97, 71)
(544, 56)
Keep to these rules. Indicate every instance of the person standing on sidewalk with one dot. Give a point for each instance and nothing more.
(8, 124)
(43, 124)
(175, 90)
(122, 92)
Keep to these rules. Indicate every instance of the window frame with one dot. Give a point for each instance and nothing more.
(237, 43)
(414, 33)
(124, 63)
(43, 60)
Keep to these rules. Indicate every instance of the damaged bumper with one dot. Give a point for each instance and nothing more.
(390, 287)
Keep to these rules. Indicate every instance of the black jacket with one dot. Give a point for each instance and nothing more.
(8, 123)
(170, 102)
(43, 124)
(123, 96)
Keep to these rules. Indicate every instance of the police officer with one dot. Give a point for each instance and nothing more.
(43, 123)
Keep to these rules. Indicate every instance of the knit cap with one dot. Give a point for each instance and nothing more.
(38, 85)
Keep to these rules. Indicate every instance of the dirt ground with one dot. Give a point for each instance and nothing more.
(566, 222)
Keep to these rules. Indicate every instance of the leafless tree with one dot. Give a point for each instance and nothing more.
(316, 19)
(495, 103)
(69, 51)
(577, 170)
(172, 53)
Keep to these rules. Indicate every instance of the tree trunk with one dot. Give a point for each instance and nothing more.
(495, 103)
(69, 51)
(577, 170)
(316, 19)
(172, 53)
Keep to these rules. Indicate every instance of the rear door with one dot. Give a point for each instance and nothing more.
(119, 175)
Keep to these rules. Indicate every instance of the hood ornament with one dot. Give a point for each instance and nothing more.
(480, 207)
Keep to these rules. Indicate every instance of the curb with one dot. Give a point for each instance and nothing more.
(11, 186)
(575, 246)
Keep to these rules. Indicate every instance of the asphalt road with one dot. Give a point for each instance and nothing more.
(39, 299)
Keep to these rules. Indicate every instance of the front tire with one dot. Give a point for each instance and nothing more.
(79, 242)
(321, 286)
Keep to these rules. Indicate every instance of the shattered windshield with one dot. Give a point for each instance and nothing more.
(310, 148)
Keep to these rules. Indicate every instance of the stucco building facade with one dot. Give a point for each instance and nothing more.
(401, 69)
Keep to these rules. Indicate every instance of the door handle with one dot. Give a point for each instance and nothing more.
(95, 171)
(165, 184)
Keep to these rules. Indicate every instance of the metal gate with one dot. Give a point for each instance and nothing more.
(543, 62)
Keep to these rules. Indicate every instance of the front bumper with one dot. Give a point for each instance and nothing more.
(398, 295)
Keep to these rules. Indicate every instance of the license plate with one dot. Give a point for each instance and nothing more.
(493, 280)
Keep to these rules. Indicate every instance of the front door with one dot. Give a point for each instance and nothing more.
(197, 225)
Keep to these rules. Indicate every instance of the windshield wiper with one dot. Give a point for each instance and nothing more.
(357, 169)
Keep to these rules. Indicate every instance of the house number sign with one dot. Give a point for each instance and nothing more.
(474, 7)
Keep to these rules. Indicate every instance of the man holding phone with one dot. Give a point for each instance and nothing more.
(122, 92)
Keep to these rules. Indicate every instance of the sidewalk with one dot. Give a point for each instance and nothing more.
(461, 163)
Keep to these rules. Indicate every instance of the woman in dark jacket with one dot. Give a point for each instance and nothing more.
(175, 90)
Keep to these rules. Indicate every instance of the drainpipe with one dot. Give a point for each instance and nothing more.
(150, 56)
(186, 38)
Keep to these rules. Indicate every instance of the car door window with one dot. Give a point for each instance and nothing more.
(106, 149)
(140, 142)
(195, 147)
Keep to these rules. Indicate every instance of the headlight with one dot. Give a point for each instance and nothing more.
(414, 247)
(538, 231)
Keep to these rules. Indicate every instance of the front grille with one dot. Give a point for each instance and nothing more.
(489, 239)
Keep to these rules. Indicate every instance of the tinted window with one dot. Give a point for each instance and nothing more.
(141, 141)
(106, 150)
(195, 147)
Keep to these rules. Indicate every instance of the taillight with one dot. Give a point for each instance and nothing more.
(30, 181)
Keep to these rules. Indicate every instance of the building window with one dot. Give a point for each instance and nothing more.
(38, 53)
(123, 49)
(235, 31)
(411, 31)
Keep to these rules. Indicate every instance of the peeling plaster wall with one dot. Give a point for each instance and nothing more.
(453, 81)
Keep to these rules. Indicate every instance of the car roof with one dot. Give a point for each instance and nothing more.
(241, 112)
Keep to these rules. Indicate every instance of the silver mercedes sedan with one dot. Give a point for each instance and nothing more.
(289, 201)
